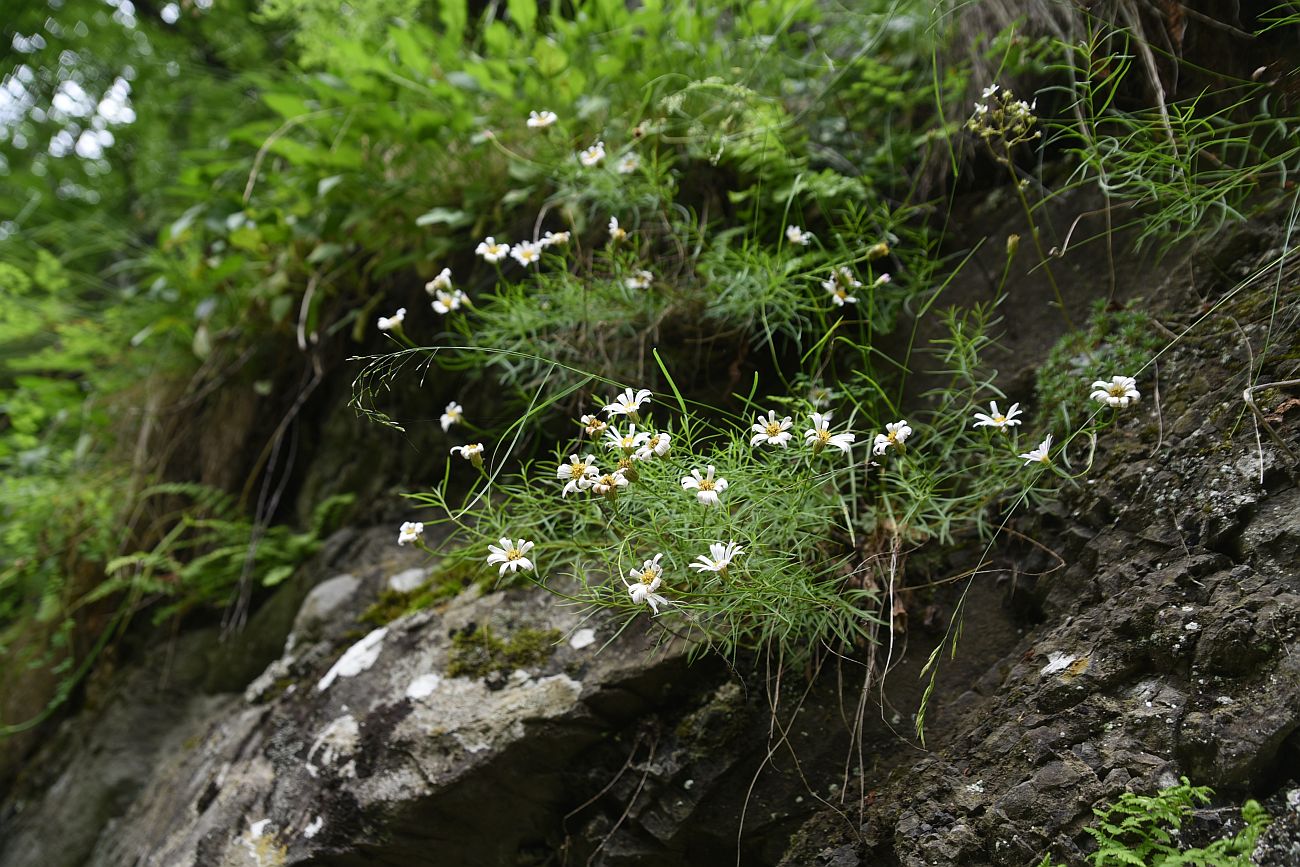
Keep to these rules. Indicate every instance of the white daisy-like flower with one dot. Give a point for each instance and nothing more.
(575, 471)
(771, 430)
(639, 280)
(606, 484)
(628, 164)
(627, 403)
(454, 414)
(896, 433)
(645, 581)
(445, 302)
(541, 119)
(592, 155)
(490, 250)
(410, 531)
(1120, 391)
(526, 253)
(441, 283)
(593, 425)
(616, 232)
(718, 558)
(552, 239)
(627, 442)
(472, 452)
(511, 555)
(997, 419)
(653, 445)
(840, 286)
(1040, 454)
(819, 436)
(706, 487)
(389, 323)
(796, 235)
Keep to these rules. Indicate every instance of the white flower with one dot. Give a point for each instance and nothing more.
(989, 91)
(819, 436)
(527, 253)
(820, 396)
(541, 119)
(796, 235)
(997, 419)
(639, 280)
(628, 402)
(606, 484)
(616, 232)
(441, 283)
(706, 487)
(551, 239)
(653, 445)
(625, 442)
(628, 164)
(882, 280)
(575, 471)
(454, 414)
(896, 432)
(411, 531)
(839, 285)
(718, 558)
(981, 109)
(1040, 454)
(1120, 391)
(472, 452)
(593, 425)
(388, 323)
(592, 155)
(772, 431)
(490, 250)
(645, 581)
(511, 555)
(445, 302)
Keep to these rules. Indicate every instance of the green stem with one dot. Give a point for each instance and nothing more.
(1038, 243)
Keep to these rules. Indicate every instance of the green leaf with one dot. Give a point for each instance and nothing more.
(454, 15)
(444, 216)
(524, 14)
(286, 105)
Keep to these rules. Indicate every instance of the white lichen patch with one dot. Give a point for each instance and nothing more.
(1058, 662)
(314, 827)
(407, 580)
(337, 741)
(357, 659)
(423, 686)
(582, 638)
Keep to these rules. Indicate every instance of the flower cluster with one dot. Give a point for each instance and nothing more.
(1004, 117)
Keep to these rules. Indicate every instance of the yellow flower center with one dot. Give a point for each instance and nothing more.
(514, 554)
(706, 484)
(773, 428)
(824, 436)
(648, 576)
(999, 419)
(1117, 389)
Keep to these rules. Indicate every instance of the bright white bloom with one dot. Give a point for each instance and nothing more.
(645, 581)
(551, 239)
(472, 452)
(628, 402)
(639, 280)
(511, 555)
(411, 531)
(594, 426)
(606, 484)
(441, 283)
(388, 323)
(1040, 454)
(616, 232)
(997, 419)
(541, 119)
(490, 250)
(653, 445)
(981, 109)
(592, 155)
(445, 302)
(796, 235)
(527, 253)
(575, 471)
(718, 558)
(840, 285)
(989, 91)
(624, 442)
(772, 431)
(454, 414)
(628, 164)
(1120, 391)
(819, 436)
(706, 487)
(896, 432)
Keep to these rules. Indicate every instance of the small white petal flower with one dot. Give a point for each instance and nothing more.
(606, 484)
(882, 280)
(796, 235)
(653, 445)
(772, 431)
(627, 442)
(445, 302)
(490, 250)
(627, 403)
(840, 286)
(1040, 454)
(441, 283)
(706, 487)
(411, 531)
(645, 581)
(592, 155)
(1120, 391)
(575, 471)
(552, 239)
(628, 164)
(526, 253)
(541, 119)
(989, 91)
(639, 280)
(996, 419)
(718, 558)
(593, 425)
(896, 432)
(511, 555)
(616, 232)
(472, 452)
(454, 414)
(819, 436)
(388, 323)
(820, 396)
